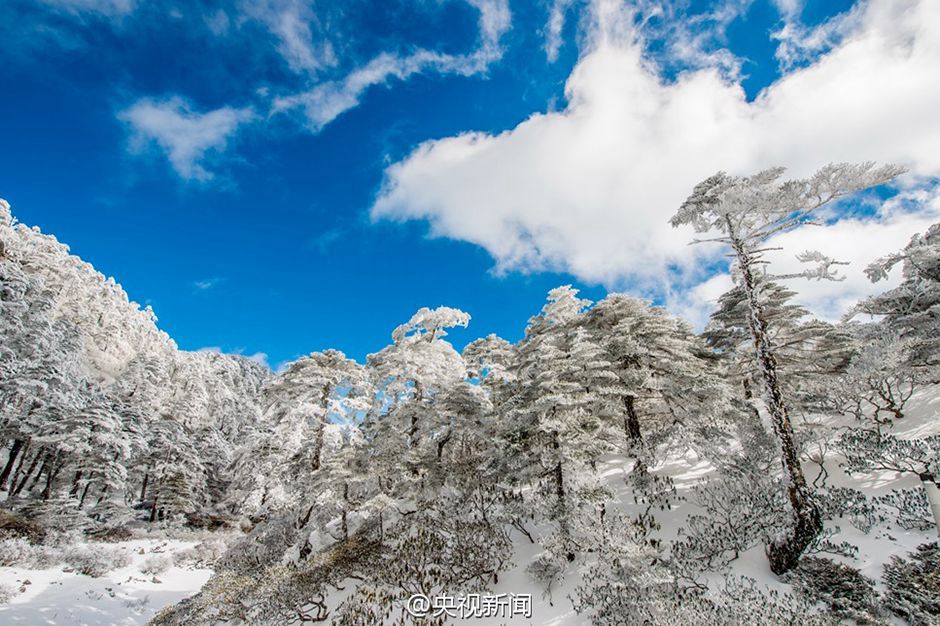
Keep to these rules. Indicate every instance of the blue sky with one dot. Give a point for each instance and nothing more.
(260, 172)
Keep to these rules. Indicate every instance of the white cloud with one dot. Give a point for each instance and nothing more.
(295, 25)
(185, 136)
(554, 26)
(326, 101)
(589, 189)
(696, 303)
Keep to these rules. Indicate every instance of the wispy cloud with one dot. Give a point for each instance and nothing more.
(800, 44)
(301, 40)
(326, 101)
(186, 137)
(107, 8)
(190, 139)
(326, 239)
(553, 28)
(258, 357)
(207, 283)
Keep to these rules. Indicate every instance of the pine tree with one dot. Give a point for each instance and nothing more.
(662, 375)
(412, 377)
(554, 426)
(809, 353)
(748, 211)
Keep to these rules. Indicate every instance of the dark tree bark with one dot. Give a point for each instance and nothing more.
(558, 474)
(78, 477)
(316, 461)
(42, 468)
(783, 553)
(443, 442)
(15, 450)
(24, 454)
(631, 422)
(39, 454)
(345, 507)
(54, 468)
(81, 501)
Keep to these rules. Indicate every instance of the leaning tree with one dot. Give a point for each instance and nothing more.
(746, 212)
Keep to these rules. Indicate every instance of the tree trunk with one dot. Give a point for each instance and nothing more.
(317, 448)
(74, 490)
(81, 501)
(51, 475)
(143, 487)
(443, 442)
(153, 509)
(559, 476)
(345, 503)
(631, 422)
(15, 450)
(42, 468)
(306, 518)
(784, 552)
(29, 472)
(24, 454)
(316, 461)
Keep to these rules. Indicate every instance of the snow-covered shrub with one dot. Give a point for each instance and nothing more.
(156, 564)
(824, 544)
(843, 502)
(203, 555)
(367, 605)
(446, 553)
(59, 513)
(272, 595)
(913, 585)
(847, 593)
(264, 546)
(738, 603)
(21, 552)
(12, 525)
(113, 533)
(7, 592)
(15, 552)
(546, 569)
(740, 508)
(95, 559)
(909, 507)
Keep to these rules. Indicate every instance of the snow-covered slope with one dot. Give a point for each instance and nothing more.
(127, 595)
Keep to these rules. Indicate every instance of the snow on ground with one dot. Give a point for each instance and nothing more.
(124, 596)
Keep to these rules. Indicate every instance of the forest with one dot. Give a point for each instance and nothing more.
(614, 463)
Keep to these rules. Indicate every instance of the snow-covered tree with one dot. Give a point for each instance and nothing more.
(879, 380)
(663, 377)
(413, 376)
(554, 428)
(277, 467)
(809, 352)
(746, 212)
(913, 308)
